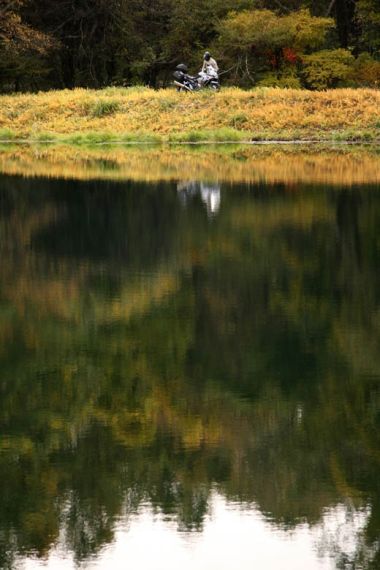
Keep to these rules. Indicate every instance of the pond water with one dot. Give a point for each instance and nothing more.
(189, 359)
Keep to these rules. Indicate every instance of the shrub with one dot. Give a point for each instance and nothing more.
(103, 107)
(238, 120)
(327, 68)
(284, 81)
(366, 71)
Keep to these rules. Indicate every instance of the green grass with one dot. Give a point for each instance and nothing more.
(142, 137)
(216, 135)
(45, 137)
(7, 135)
(91, 138)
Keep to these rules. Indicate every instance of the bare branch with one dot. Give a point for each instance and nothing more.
(331, 6)
(247, 69)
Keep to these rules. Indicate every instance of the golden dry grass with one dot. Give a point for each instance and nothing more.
(140, 113)
(289, 164)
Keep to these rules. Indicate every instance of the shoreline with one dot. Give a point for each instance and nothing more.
(121, 143)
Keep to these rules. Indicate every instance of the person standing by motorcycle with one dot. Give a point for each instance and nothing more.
(209, 70)
(209, 64)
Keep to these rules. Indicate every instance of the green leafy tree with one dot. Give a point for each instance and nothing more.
(327, 68)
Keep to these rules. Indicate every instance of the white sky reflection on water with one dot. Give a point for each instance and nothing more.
(232, 538)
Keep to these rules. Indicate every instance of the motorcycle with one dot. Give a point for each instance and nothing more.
(185, 82)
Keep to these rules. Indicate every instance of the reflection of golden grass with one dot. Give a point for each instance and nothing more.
(249, 164)
(268, 113)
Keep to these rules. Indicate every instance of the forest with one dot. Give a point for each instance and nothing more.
(314, 44)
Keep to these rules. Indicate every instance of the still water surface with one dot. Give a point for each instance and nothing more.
(190, 368)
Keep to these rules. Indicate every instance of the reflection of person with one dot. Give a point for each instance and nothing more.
(209, 65)
(209, 193)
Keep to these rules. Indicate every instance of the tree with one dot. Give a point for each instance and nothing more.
(94, 43)
(261, 40)
(327, 68)
(368, 18)
(23, 49)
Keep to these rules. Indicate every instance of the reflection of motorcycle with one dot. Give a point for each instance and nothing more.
(210, 194)
(185, 82)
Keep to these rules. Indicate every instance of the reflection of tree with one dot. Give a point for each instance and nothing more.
(347, 214)
(175, 355)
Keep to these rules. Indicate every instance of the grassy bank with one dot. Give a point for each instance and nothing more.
(144, 115)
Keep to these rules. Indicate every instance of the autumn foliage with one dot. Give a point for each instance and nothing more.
(66, 44)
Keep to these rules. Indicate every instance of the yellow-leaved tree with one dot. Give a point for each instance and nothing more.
(261, 43)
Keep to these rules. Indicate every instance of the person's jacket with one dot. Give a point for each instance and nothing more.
(210, 63)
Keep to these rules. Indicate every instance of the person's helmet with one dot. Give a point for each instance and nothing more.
(207, 56)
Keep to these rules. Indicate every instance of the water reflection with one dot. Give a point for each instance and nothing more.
(340, 165)
(211, 384)
(255, 543)
(209, 192)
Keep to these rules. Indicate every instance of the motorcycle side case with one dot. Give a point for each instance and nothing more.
(182, 67)
(179, 75)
